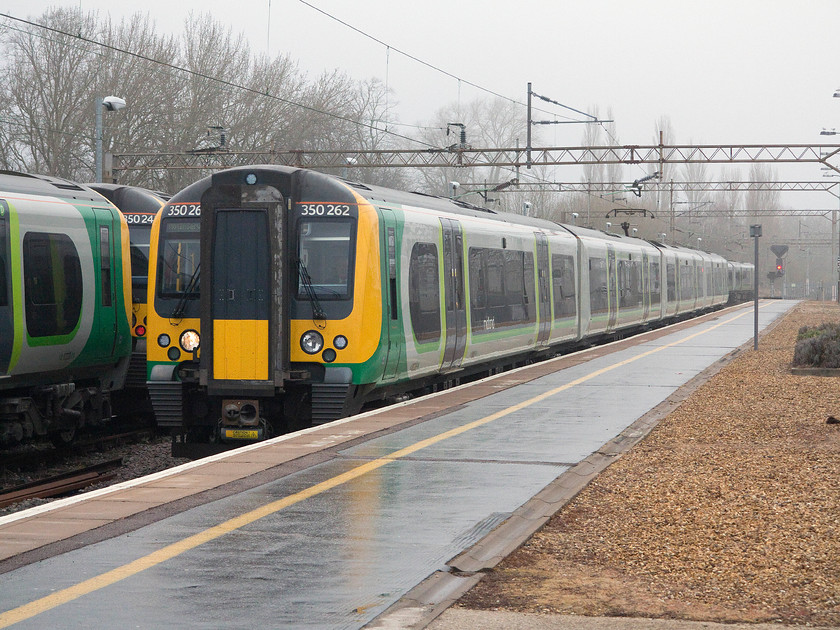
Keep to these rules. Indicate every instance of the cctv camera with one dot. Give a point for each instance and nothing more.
(113, 103)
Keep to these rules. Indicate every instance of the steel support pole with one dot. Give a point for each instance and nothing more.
(98, 169)
(755, 296)
(528, 132)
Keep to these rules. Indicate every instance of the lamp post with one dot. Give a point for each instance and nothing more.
(112, 104)
(755, 234)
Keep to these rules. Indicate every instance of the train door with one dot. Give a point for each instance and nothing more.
(240, 294)
(544, 289)
(391, 295)
(107, 307)
(612, 275)
(454, 302)
(7, 329)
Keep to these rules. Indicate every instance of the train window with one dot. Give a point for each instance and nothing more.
(501, 288)
(53, 283)
(563, 281)
(4, 289)
(598, 293)
(179, 258)
(105, 263)
(424, 292)
(629, 284)
(325, 251)
(139, 272)
(655, 284)
(671, 273)
(687, 278)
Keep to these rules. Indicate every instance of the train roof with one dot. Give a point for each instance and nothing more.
(131, 198)
(443, 204)
(17, 182)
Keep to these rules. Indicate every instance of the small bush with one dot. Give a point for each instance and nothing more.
(818, 346)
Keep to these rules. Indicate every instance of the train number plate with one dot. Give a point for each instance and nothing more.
(242, 434)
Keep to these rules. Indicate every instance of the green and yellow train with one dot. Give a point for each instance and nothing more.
(281, 297)
(65, 307)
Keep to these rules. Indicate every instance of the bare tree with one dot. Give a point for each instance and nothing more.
(48, 78)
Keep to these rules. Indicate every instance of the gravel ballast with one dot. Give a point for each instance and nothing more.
(728, 511)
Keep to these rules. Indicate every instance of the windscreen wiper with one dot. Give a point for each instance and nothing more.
(306, 282)
(180, 307)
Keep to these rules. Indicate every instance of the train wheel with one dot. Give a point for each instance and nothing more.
(63, 439)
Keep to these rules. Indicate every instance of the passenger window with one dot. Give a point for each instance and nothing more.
(105, 264)
(424, 292)
(563, 279)
(53, 284)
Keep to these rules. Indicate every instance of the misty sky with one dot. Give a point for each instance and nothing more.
(723, 71)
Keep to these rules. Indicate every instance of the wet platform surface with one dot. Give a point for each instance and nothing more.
(331, 527)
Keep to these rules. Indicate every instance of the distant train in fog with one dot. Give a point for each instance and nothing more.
(281, 297)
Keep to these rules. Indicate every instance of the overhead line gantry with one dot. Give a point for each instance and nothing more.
(456, 156)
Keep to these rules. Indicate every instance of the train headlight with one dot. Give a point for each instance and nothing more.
(163, 340)
(311, 342)
(189, 340)
(340, 342)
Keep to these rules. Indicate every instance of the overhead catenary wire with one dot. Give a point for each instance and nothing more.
(431, 66)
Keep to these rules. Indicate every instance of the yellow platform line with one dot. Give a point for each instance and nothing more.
(27, 611)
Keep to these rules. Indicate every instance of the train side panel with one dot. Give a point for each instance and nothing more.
(65, 300)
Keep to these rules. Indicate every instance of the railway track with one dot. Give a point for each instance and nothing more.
(35, 456)
(61, 484)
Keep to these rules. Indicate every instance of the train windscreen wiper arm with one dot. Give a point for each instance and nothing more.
(178, 311)
(306, 282)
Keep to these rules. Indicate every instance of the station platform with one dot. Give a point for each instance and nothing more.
(380, 520)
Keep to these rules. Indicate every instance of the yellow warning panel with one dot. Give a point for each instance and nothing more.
(240, 349)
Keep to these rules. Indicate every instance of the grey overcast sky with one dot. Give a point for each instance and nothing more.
(723, 71)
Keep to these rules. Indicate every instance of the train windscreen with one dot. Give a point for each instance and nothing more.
(324, 254)
(179, 258)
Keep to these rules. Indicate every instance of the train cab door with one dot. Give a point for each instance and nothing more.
(612, 275)
(454, 300)
(7, 328)
(107, 307)
(240, 294)
(394, 328)
(543, 267)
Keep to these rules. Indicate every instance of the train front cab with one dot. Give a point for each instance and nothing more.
(288, 305)
(172, 317)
